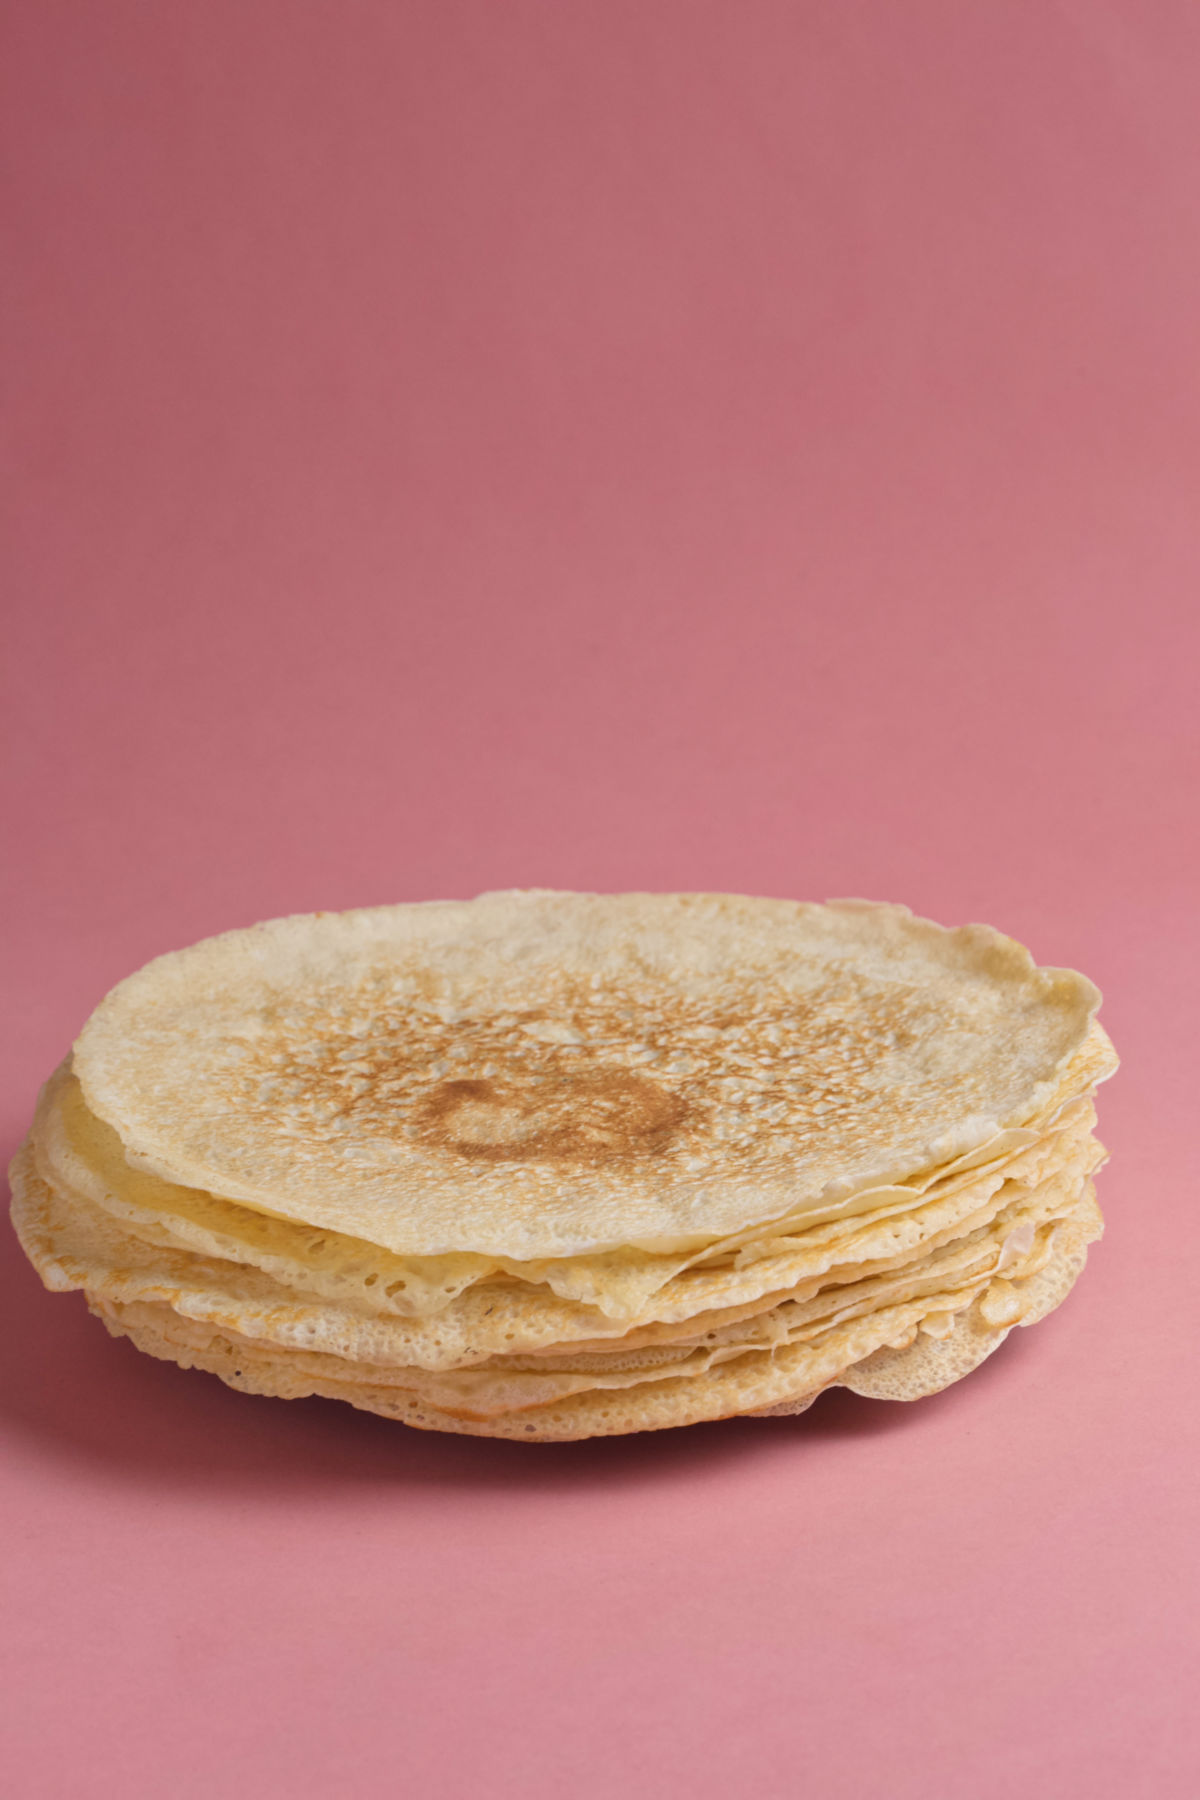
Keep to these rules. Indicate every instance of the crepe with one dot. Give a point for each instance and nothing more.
(552, 1165)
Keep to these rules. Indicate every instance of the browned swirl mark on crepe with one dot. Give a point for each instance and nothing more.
(579, 1075)
(598, 1113)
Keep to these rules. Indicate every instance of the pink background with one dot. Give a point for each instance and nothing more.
(613, 444)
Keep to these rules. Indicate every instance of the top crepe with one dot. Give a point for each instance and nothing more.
(537, 1074)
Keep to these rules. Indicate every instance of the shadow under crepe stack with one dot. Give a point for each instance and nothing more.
(546, 1165)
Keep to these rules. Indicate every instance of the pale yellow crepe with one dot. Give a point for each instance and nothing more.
(550, 1165)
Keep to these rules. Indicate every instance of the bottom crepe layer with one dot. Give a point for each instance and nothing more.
(904, 1352)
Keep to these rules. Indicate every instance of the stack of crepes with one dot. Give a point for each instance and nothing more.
(549, 1166)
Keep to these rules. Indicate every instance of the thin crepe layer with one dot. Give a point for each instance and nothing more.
(758, 1385)
(541, 1076)
(77, 1246)
(82, 1158)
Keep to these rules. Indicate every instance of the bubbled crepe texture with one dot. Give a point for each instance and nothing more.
(552, 1166)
